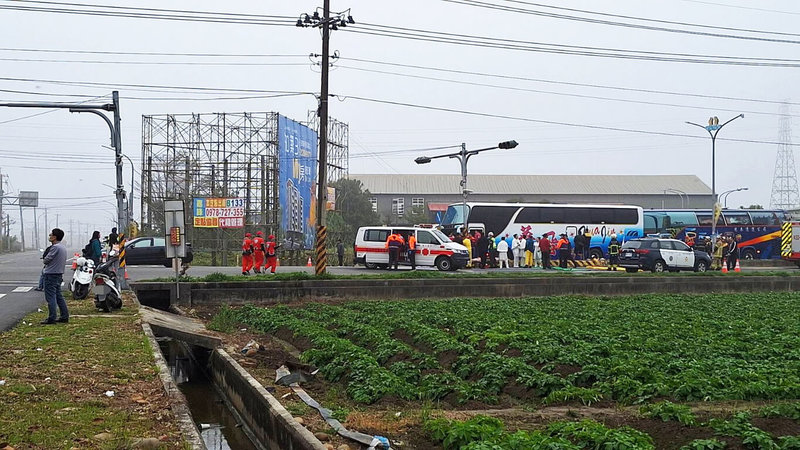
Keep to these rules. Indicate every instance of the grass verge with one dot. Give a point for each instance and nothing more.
(57, 376)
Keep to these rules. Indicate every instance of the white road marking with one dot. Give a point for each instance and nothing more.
(22, 289)
(2, 295)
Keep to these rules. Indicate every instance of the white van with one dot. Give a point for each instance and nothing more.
(434, 248)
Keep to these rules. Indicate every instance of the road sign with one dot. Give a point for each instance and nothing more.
(29, 199)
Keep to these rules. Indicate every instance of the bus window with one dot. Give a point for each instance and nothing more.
(493, 218)
(684, 219)
(453, 215)
(604, 215)
(705, 219)
(650, 225)
(553, 214)
(577, 215)
(764, 218)
(736, 217)
(531, 214)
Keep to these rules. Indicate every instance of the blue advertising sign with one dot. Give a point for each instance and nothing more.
(297, 153)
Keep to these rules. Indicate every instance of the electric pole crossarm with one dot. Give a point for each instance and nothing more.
(105, 107)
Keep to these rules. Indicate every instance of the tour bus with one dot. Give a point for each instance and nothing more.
(758, 231)
(433, 248)
(551, 219)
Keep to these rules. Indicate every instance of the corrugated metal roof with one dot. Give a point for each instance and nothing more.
(532, 184)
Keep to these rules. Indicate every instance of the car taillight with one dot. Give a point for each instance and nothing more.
(99, 281)
(642, 251)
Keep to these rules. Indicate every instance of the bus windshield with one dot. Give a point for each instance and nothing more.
(454, 215)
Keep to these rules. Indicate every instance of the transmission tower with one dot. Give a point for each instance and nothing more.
(784, 182)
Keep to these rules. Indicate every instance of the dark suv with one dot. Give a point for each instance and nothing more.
(661, 255)
(151, 250)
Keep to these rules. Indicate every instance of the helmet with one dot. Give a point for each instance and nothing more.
(248, 235)
(271, 237)
(491, 234)
(259, 233)
(613, 235)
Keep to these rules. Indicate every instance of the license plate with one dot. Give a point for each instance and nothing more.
(98, 290)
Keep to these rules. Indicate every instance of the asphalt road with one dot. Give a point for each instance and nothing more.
(19, 275)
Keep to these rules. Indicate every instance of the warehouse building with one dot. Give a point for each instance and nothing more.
(393, 196)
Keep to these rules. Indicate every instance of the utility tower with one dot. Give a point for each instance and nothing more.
(784, 182)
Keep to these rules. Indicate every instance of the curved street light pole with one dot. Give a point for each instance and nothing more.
(713, 129)
(462, 157)
(724, 195)
(680, 194)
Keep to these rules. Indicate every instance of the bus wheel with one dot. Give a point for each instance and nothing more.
(748, 253)
(444, 263)
(596, 253)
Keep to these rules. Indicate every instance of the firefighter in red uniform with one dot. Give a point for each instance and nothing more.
(394, 242)
(272, 255)
(247, 254)
(258, 252)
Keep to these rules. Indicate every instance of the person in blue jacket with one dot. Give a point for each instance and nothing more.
(95, 252)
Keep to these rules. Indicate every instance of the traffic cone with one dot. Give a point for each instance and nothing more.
(75, 261)
(737, 268)
(277, 263)
(308, 264)
(724, 267)
(126, 273)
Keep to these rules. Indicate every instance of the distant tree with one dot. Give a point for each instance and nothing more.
(752, 207)
(416, 215)
(353, 210)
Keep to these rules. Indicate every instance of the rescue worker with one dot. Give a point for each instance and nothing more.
(719, 250)
(492, 250)
(272, 256)
(258, 252)
(468, 243)
(412, 250)
(689, 239)
(544, 247)
(732, 253)
(393, 243)
(563, 247)
(247, 254)
(613, 253)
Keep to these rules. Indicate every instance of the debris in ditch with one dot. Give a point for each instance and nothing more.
(109, 393)
(282, 374)
(2, 382)
(251, 348)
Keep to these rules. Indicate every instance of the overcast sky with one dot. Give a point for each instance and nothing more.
(509, 70)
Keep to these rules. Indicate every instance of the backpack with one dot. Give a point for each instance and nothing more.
(87, 251)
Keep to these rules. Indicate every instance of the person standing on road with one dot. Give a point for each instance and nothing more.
(530, 247)
(54, 263)
(563, 247)
(258, 252)
(517, 247)
(271, 252)
(482, 247)
(112, 239)
(733, 253)
(613, 253)
(502, 252)
(40, 287)
(393, 244)
(94, 249)
(412, 251)
(580, 243)
(544, 248)
(340, 251)
(247, 254)
(492, 250)
(467, 242)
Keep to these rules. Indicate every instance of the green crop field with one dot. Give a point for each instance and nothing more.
(535, 352)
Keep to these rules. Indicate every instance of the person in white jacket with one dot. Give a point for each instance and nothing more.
(518, 249)
(502, 253)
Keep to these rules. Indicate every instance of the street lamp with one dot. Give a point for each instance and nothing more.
(713, 128)
(724, 195)
(680, 194)
(462, 157)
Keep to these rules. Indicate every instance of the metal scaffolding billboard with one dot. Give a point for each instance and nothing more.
(221, 155)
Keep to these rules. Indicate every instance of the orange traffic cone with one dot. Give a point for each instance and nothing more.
(126, 273)
(75, 261)
(277, 263)
(308, 264)
(737, 268)
(724, 267)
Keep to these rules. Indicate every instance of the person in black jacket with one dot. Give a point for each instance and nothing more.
(482, 247)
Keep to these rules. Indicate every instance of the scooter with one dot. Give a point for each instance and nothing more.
(106, 290)
(82, 278)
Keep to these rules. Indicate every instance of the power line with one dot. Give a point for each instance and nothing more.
(547, 122)
(129, 53)
(617, 23)
(153, 63)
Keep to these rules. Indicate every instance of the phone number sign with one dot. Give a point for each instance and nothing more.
(218, 212)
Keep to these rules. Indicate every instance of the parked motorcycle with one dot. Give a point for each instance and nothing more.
(82, 278)
(106, 290)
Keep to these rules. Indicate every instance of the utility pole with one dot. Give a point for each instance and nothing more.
(22, 228)
(116, 140)
(2, 239)
(326, 23)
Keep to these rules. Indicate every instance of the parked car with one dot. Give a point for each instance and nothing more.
(150, 250)
(659, 255)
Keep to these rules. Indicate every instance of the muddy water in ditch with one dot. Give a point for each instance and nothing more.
(218, 426)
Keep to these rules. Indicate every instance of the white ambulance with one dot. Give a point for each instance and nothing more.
(434, 248)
